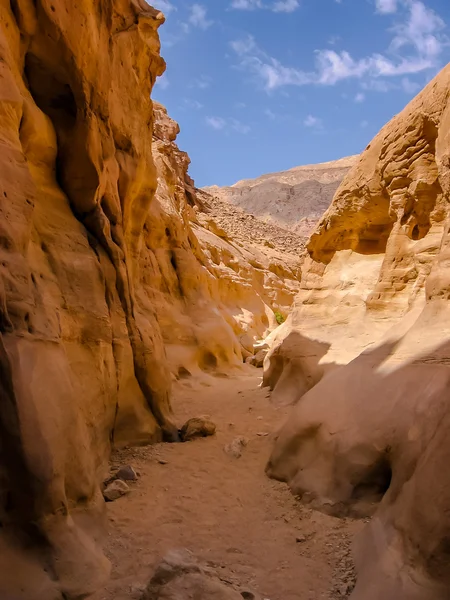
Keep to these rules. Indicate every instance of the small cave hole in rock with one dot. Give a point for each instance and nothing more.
(183, 373)
(208, 361)
(53, 96)
(415, 232)
(375, 482)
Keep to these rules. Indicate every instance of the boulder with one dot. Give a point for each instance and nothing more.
(127, 473)
(179, 576)
(197, 427)
(116, 489)
(257, 360)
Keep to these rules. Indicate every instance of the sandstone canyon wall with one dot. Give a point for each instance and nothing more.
(294, 199)
(216, 293)
(369, 337)
(106, 292)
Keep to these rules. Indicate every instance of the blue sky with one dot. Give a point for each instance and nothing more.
(264, 85)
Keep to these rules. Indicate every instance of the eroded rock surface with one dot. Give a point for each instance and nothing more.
(369, 334)
(106, 292)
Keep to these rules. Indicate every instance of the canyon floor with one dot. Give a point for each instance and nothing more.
(225, 510)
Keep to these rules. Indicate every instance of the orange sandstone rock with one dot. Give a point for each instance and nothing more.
(369, 334)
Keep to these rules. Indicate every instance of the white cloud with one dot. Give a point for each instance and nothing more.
(245, 45)
(190, 103)
(163, 5)
(219, 124)
(420, 32)
(416, 47)
(286, 6)
(270, 71)
(314, 122)
(246, 4)
(216, 123)
(334, 66)
(386, 6)
(360, 97)
(163, 82)
(281, 6)
(198, 17)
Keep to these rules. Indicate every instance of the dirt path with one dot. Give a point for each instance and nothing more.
(225, 510)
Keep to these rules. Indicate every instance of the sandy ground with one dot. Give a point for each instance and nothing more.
(225, 510)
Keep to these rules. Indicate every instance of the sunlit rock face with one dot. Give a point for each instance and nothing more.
(82, 359)
(295, 199)
(215, 296)
(107, 293)
(365, 356)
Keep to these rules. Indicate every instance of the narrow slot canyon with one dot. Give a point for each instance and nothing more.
(217, 392)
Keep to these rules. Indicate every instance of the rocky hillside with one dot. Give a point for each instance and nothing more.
(294, 199)
(369, 338)
(216, 292)
(109, 286)
(233, 222)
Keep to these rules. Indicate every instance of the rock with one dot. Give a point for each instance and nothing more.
(206, 247)
(262, 434)
(127, 473)
(116, 489)
(257, 360)
(197, 427)
(235, 447)
(371, 433)
(161, 461)
(300, 539)
(179, 576)
(295, 199)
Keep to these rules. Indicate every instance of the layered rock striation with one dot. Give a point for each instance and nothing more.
(365, 356)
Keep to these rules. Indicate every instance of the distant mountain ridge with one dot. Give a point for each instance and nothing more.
(294, 199)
